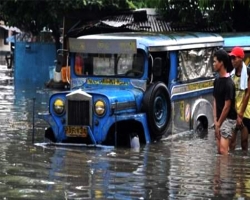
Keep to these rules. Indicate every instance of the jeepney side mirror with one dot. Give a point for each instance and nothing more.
(59, 62)
(157, 67)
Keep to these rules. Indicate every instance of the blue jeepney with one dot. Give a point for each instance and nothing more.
(134, 85)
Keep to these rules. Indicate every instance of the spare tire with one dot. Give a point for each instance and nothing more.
(157, 105)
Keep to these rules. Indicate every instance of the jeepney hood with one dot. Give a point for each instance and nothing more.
(117, 94)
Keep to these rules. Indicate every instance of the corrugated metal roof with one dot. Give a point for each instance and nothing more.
(11, 28)
(154, 23)
(143, 20)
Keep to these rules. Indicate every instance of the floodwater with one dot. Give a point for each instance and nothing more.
(182, 168)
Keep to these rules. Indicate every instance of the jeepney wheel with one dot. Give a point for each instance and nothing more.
(157, 105)
(49, 134)
(202, 127)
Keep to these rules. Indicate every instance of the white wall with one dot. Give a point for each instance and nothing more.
(3, 46)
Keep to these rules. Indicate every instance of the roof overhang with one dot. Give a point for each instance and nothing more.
(10, 28)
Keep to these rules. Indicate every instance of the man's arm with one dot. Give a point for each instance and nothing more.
(216, 127)
(214, 111)
(245, 100)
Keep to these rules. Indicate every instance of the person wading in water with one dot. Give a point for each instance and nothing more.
(224, 102)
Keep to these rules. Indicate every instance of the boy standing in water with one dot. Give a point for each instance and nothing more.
(242, 86)
(224, 102)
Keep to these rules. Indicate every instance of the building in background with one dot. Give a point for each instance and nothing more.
(7, 40)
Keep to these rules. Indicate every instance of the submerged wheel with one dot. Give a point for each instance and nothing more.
(49, 134)
(157, 105)
(201, 128)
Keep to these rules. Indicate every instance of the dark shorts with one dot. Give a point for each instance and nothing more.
(246, 122)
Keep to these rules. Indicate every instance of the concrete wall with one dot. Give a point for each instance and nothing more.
(32, 61)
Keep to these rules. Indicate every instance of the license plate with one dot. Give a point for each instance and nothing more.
(76, 131)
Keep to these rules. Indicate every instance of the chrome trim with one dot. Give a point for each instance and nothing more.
(184, 46)
(123, 105)
(80, 95)
(105, 107)
(64, 105)
(206, 110)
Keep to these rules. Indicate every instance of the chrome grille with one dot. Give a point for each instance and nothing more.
(78, 112)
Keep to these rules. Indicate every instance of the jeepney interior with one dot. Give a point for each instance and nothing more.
(192, 64)
(124, 65)
(195, 64)
(159, 66)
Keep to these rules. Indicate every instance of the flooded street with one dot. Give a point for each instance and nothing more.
(183, 168)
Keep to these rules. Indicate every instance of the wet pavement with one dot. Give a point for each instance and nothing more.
(183, 168)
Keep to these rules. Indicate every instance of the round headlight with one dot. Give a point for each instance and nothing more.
(99, 107)
(59, 106)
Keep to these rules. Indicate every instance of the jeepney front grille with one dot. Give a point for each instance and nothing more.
(78, 112)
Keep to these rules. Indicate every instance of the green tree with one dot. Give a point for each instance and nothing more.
(143, 4)
(33, 16)
(228, 15)
(232, 15)
(181, 13)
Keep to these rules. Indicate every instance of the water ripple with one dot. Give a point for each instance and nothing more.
(185, 167)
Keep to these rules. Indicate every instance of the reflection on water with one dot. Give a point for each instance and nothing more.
(183, 168)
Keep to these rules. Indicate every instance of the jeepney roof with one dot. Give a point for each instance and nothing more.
(163, 42)
(236, 39)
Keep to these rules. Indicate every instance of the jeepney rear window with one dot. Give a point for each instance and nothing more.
(196, 63)
(128, 65)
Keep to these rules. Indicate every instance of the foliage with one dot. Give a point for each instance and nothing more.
(231, 14)
(145, 3)
(33, 16)
(227, 15)
(181, 12)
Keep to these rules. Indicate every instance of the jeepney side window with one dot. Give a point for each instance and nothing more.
(164, 75)
(195, 63)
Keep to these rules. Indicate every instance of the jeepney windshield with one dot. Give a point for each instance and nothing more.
(124, 65)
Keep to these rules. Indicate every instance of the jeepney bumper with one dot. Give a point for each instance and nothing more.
(56, 131)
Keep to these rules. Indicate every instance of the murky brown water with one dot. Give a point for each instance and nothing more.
(184, 168)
